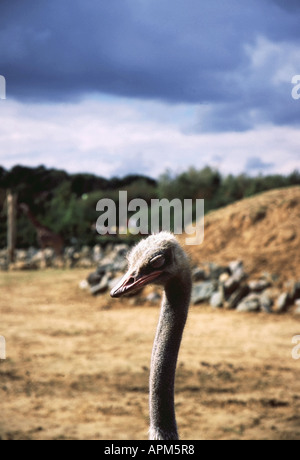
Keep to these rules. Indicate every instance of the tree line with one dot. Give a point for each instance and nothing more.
(66, 203)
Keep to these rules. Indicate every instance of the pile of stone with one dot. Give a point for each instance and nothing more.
(27, 259)
(3, 259)
(73, 257)
(110, 269)
(229, 287)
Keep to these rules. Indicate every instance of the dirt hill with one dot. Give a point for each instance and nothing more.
(263, 231)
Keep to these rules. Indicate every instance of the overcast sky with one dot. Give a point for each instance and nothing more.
(138, 86)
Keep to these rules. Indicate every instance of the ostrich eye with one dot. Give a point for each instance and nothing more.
(157, 262)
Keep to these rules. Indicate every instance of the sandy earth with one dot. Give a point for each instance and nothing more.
(77, 367)
(263, 231)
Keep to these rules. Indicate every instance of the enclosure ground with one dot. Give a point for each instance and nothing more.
(77, 366)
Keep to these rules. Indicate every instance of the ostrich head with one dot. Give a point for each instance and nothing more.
(157, 259)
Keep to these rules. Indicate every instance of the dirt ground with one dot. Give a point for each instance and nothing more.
(77, 367)
(263, 231)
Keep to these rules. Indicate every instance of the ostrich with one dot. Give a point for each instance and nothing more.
(159, 259)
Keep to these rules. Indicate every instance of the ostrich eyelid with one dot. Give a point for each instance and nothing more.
(158, 261)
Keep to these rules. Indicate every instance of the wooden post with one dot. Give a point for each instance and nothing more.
(11, 225)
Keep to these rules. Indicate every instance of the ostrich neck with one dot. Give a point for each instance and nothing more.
(164, 357)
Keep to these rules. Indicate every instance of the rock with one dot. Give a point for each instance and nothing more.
(31, 253)
(85, 262)
(283, 302)
(202, 292)
(85, 252)
(237, 270)
(3, 259)
(36, 260)
(21, 255)
(271, 277)
(49, 255)
(100, 287)
(104, 268)
(224, 277)
(97, 254)
(217, 299)
(250, 303)
(35, 256)
(115, 260)
(199, 274)
(237, 296)
(266, 303)
(236, 267)
(215, 271)
(94, 278)
(108, 249)
(237, 276)
(70, 259)
(121, 250)
(22, 266)
(3, 264)
(297, 303)
(120, 265)
(259, 285)
(230, 286)
(76, 255)
(83, 284)
(153, 297)
(295, 291)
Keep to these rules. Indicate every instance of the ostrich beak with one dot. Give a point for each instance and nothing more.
(130, 283)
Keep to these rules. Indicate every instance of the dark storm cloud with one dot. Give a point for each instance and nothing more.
(187, 51)
(141, 49)
(290, 5)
